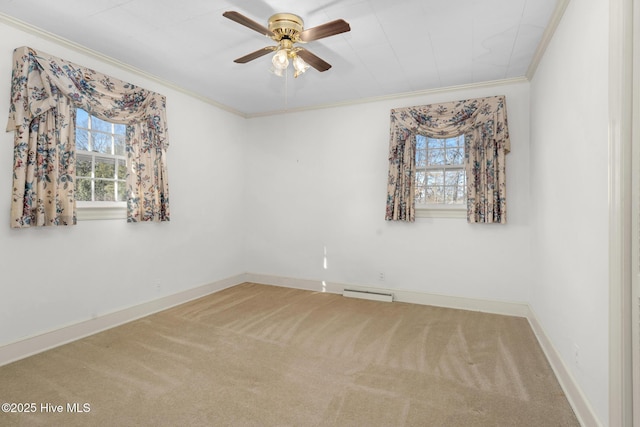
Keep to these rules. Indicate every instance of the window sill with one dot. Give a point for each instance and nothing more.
(441, 211)
(91, 211)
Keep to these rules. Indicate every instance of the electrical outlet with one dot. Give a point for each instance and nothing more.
(381, 276)
(576, 354)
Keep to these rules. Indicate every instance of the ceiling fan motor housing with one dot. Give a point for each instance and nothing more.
(287, 29)
(286, 26)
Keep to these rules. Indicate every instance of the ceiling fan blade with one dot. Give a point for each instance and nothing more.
(311, 59)
(255, 55)
(243, 20)
(325, 30)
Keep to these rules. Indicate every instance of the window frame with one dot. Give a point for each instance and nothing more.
(441, 210)
(96, 209)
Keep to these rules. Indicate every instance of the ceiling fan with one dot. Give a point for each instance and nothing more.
(287, 29)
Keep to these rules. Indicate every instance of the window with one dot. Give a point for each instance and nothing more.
(101, 168)
(440, 176)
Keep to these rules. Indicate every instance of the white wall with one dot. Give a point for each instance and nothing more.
(245, 199)
(98, 267)
(322, 186)
(569, 181)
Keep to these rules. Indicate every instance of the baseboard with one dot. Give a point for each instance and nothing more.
(399, 295)
(290, 282)
(30, 346)
(372, 296)
(37, 344)
(581, 406)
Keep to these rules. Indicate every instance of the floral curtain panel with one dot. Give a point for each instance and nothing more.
(44, 94)
(483, 121)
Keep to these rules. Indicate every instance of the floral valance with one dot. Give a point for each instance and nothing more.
(36, 75)
(483, 121)
(45, 91)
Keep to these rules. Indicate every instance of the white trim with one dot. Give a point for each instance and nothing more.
(441, 212)
(635, 220)
(48, 340)
(414, 297)
(91, 213)
(581, 406)
(21, 25)
(620, 130)
(465, 87)
(290, 282)
(55, 338)
(554, 21)
(373, 296)
(14, 22)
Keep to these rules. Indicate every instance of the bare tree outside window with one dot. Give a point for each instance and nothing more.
(440, 173)
(101, 165)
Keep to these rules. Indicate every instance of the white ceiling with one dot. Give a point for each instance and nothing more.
(394, 47)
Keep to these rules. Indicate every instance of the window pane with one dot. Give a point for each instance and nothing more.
(421, 158)
(122, 191)
(420, 195)
(455, 186)
(436, 157)
(462, 181)
(120, 129)
(105, 168)
(101, 142)
(420, 185)
(82, 118)
(83, 189)
(97, 124)
(454, 142)
(455, 156)
(454, 177)
(442, 179)
(454, 195)
(105, 191)
(435, 143)
(83, 165)
(82, 140)
(435, 178)
(97, 173)
(119, 145)
(122, 169)
(421, 151)
(435, 194)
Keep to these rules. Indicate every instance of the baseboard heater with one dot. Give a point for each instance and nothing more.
(375, 296)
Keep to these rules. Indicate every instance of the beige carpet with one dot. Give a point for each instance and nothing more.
(256, 355)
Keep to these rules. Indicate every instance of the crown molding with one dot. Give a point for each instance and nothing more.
(479, 85)
(554, 21)
(21, 25)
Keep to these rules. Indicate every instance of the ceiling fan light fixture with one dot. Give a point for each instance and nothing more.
(280, 60)
(288, 29)
(278, 72)
(299, 65)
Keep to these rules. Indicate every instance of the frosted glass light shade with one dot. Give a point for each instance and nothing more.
(280, 60)
(299, 65)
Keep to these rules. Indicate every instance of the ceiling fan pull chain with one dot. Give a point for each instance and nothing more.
(286, 89)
